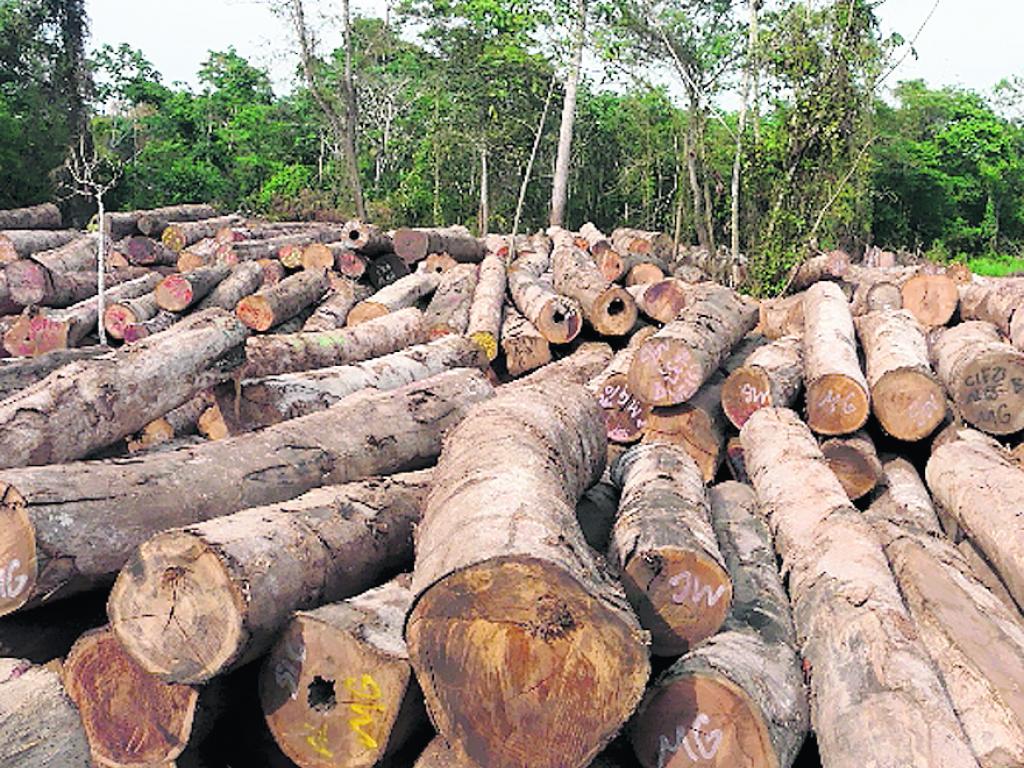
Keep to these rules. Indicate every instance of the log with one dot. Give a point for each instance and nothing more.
(89, 404)
(975, 640)
(212, 425)
(588, 360)
(43, 216)
(638, 241)
(983, 374)
(206, 253)
(596, 513)
(130, 717)
(838, 399)
(850, 618)
(412, 245)
(1000, 302)
(781, 317)
(180, 235)
(558, 318)
(739, 699)
(435, 262)
(855, 463)
(664, 548)
(771, 377)
(152, 223)
(448, 311)
(625, 415)
(17, 374)
(76, 256)
(39, 724)
(402, 293)
(607, 307)
(158, 491)
(271, 400)
(382, 271)
(143, 251)
(984, 573)
(596, 241)
(735, 461)
(36, 334)
(524, 346)
(342, 673)
(179, 422)
(244, 280)
(158, 323)
(60, 289)
(487, 310)
(833, 265)
(662, 300)
(932, 299)
(366, 238)
(978, 484)
(292, 353)
(354, 265)
(21, 243)
(670, 367)
(317, 256)
(176, 293)
(531, 599)
(7, 305)
(273, 306)
(329, 544)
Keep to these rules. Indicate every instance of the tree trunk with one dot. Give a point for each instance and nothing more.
(699, 220)
(59, 290)
(273, 306)
(838, 399)
(607, 307)
(484, 213)
(834, 265)
(366, 239)
(153, 223)
(771, 377)
(21, 243)
(1000, 302)
(663, 300)
(738, 699)
(531, 599)
(560, 183)
(932, 299)
(180, 235)
(486, 311)
(143, 252)
(244, 280)
(670, 367)
(130, 717)
(448, 311)
(589, 359)
(625, 415)
(983, 374)
(906, 397)
(295, 352)
(597, 243)
(45, 216)
(558, 318)
(158, 323)
(19, 373)
(855, 463)
(176, 293)
(413, 245)
(400, 294)
(333, 311)
(850, 618)
(524, 346)
(176, 423)
(665, 550)
(781, 317)
(369, 433)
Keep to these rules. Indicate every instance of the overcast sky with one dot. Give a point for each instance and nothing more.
(973, 43)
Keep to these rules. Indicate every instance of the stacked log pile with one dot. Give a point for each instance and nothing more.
(558, 502)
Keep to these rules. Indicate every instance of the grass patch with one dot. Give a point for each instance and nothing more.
(996, 266)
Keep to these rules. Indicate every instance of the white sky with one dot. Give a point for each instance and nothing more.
(973, 43)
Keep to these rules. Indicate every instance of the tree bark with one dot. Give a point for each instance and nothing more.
(528, 592)
(20, 373)
(834, 265)
(45, 216)
(625, 415)
(560, 183)
(59, 290)
(607, 307)
(333, 311)
(597, 242)
(449, 308)
(771, 377)
(524, 346)
(486, 312)
(180, 235)
(366, 239)
(21, 243)
(413, 245)
(158, 323)
(273, 306)
(855, 463)
(1000, 302)
(153, 223)
(558, 318)
(588, 360)
(400, 294)
(781, 317)
(244, 280)
(144, 252)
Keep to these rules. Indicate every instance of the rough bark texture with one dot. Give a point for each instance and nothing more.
(180, 235)
(487, 311)
(855, 462)
(876, 698)
(589, 359)
(826, 266)
(176, 293)
(142, 251)
(558, 318)
(39, 724)
(130, 717)
(152, 223)
(932, 299)
(996, 301)
(244, 280)
(332, 312)
(273, 306)
(906, 397)
(45, 216)
(838, 399)
(983, 374)
(416, 244)
(65, 525)
(524, 346)
(161, 321)
(781, 317)
(366, 238)
(670, 367)
(63, 289)
(662, 300)
(239, 578)
(665, 549)
(448, 311)
(400, 294)
(21, 243)
(597, 242)
(89, 404)
(342, 672)
(739, 699)
(771, 377)
(19, 373)
(528, 597)
(295, 352)
(118, 316)
(607, 307)
(625, 415)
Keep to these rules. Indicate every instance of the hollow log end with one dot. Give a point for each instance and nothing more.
(909, 404)
(18, 558)
(176, 610)
(571, 669)
(255, 312)
(836, 405)
(559, 321)
(747, 390)
(615, 312)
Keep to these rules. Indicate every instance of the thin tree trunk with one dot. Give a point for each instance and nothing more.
(484, 206)
(560, 186)
(351, 117)
(101, 272)
(740, 131)
(691, 167)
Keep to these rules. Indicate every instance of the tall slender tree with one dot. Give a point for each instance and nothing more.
(560, 185)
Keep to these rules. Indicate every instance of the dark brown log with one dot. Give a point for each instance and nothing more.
(855, 462)
(448, 311)
(735, 460)
(7, 305)
(273, 306)
(142, 251)
(366, 239)
(524, 347)
(381, 272)
(179, 236)
(368, 433)
(21, 243)
(412, 245)
(400, 294)
(44, 216)
(625, 415)
(153, 223)
(19, 373)
(60, 289)
(526, 602)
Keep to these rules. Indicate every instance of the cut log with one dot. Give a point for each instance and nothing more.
(975, 640)
(130, 717)
(412, 245)
(855, 462)
(178, 422)
(670, 367)
(271, 400)
(983, 572)
(983, 374)
(180, 235)
(382, 271)
(739, 699)
(20, 373)
(435, 262)
(117, 317)
(588, 360)
(59, 289)
(273, 272)
(833, 265)
(244, 280)
(558, 318)
(21, 243)
(142, 251)
(317, 256)
(212, 425)
(153, 223)
(366, 239)
(625, 415)
(178, 292)
(44, 216)
(39, 724)
(402, 293)
(781, 317)
(448, 311)
(932, 299)
(487, 310)
(771, 377)
(645, 273)
(735, 461)
(342, 674)
(662, 300)
(206, 253)
(530, 600)
(332, 313)
(37, 334)
(90, 404)
(596, 241)
(1000, 302)
(977, 482)
(850, 618)
(368, 433)
(158, 323)
(838, 399)
(292, 353)
(665, 550)
(524, 346)
(351, 264)
(273, 306)
(638, 241)
(76, 256)
(607, 307)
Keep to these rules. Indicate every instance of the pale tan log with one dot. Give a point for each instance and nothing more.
(838, 399)
(448, 311)
(781, 317)
(180, 235)
(850, 618)
(402, 293)
(21, 243)
(597, 242)
(983, 374)
(212, 425)
(504, 577)
(176, 293)
(586, 361)
(833, 265)
(366, 238)
(244, 280)
(771, 377)
(43, 216)
(642, 242)
(152, 223)
(272, 306)
(558, 318)
(607, 307)
(524, 347)
(855, 462)
(983, 572)
(662, 300)
(625, 415)
(665, 549)
(179, 422)
(332, 313)
(487, 310)
(931, 298)
(353, 687)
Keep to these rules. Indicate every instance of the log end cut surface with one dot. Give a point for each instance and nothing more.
(836, 405)
(615, 312)
(992, 394)
(488, 342)
(174, 293)
(665, 372)
(747, 390)
(365, 311)
(908, 404)
(256, 312)
(525, 657)
(18, 567)
(625, 415)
